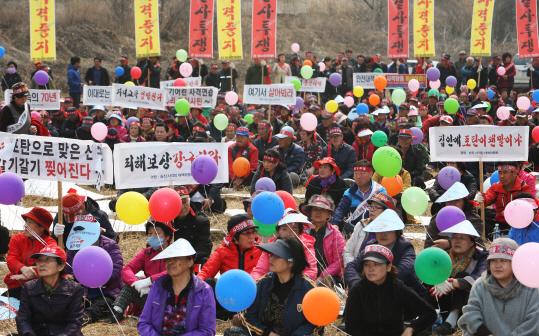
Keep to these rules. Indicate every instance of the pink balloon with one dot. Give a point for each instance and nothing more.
(36, 115)
(308, 122)
(322, 66)
(295, 47)
(518, 214)
(99, 131)
(413, 85)
(349, 101)
(503, 113)
(501, 71)
(186, 69)
(231, 98)
(435, 85)
(523, 103)
(525, 264)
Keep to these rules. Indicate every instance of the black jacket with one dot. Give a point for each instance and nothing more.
(484, 76)
(280, 177)
(69, 128)
(336, 190)
(213, 80)
(126, 77)
(81, 134)
(224, 80)
(413, 161)
(436, 191)
(103, 81)
(196, 230)
(446, 72)
(155, 74)
(262, 145)
(8, 80)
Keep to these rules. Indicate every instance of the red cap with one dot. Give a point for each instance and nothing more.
(330, 161)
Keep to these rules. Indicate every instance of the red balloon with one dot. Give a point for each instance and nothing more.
(535, 134)
(135, 72)
(180, 82)
(165, 205)
(288, 200)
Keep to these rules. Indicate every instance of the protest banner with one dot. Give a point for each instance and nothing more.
(97, 95)
(275, 94)
(196, 96)
(138, 96)
(397, 34)
(190, 81)
(528, 43)
(201, 29)
(157, 164)
(317, 84)
(481, 27)
(39, 99)
(147, 28)
(366, 80)
(229, 29)
(424, 28)
(264, 28)
(42, 30)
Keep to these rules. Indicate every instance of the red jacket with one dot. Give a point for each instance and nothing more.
(18, 256)
(230, 256)
(497, 194)
(365, 152)
(249, 152)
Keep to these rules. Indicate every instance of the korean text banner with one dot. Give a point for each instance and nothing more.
(527, 28)
(190, 82)
(147, 28)
(197, 97)
(138, 96)
(156, 164)
(97, 95)
(397, 38)
(264, 38)
(366, 80)
(276, 94)
(201, 29)
(474, 143)
(317, 84)
(56, 159)
(481, 27)
(424, 28)
(39, 99)
(42, 30)
(229, 29)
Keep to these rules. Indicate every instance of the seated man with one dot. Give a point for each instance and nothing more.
(265, 139)
(412, 158)
(343, 154)
(292, 155)
(243, 148)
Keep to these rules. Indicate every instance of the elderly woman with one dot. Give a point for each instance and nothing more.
(134, 133)
(466, 178)
(272, 168)
(147, 125)
(312, 149)
(327, 182)
(52, 305)
(498, 301)
(15, 116)
(179, 302)
(377, 303)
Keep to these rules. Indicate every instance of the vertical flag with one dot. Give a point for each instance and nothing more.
(397, 38)
(229, 29)
(481, 27)
(201, 29)
(527, 28)
(147, 28)
(264, 38)
(424, 28)
(42, 30)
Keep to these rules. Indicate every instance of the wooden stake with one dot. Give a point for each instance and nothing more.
(482, 203)
(60, 214)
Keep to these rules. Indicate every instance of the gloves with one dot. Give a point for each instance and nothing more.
(443, 288)
(531, 66)
(263, 63)
(232, 65)
(532, 69)
(141, 284)
(144, 291)
(479, 198)
(58, 229)
(479, 68)
(424, 65)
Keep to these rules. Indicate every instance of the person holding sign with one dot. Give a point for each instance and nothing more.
(15, 116)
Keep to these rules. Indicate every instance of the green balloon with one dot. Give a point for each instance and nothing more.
(379, 138)
(220, 121)
(488, 109)
(306, 72)
(433, 266)
(249, 118)
(182, 107)
(414, 200)
(264, 229)
(297, 83)
(451, 105)
(387, 161)
(434, 91)
(398, 97)
(378, 70)
(181, 55)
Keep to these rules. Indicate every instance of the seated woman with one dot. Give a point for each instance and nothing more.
(52, 305)
(272, 168)
(312, 149)
(377, 303)
(466, 178)
(115, 121)
(279, 294)
(134, 133)
(136, 289)
(529, 233)
(326, 182)
(179, 302)
(147, 125)
(498, 301)
(468, 265)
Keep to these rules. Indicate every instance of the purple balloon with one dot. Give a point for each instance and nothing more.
(530, 109)
(265, 184)
(204, 169)
(41, 77)
(12, 188)
(448, 176)
(451, 81)
(129, 121)
(449, 216)
(92, 266)
(335, 79)
(433, 74)
(299, 103)
(417, 133)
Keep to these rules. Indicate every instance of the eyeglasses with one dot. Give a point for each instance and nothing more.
(248, 233)
(370, 207)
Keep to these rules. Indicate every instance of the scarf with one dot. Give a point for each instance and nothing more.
(50, 289)
(511, 291)
(460, 265)
(326, 183)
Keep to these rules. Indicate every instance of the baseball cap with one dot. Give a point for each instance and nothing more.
(405, 133)
(378, 254)
(405, 106)
(242, 131)
(446, 119)
(472, 111)
(502, 248)
(401, 121)
(68, 100)
(335, 131)
(383, 199)
(286, 132)
(522, 114)
(71, 113)
(280, 248)
(52, 250)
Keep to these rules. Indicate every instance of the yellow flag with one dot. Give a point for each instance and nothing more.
(481, 27)
(147, 28)
(424, 28)
(42, 30)
(229, 29)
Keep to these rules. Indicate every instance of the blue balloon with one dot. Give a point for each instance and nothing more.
(119, 71)
(235, 290)
(353, 116)
(494, 178)
(535, 96)
(2, 52)
(490, 93)
(362, 109)
(268, 208)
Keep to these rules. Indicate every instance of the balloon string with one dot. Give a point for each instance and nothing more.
(111, 311)
(420, 219)
(8, 331)
(344, 332)
(157, 234)
(246, 324)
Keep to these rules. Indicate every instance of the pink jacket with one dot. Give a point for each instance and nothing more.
(262, 267)
(334, 244)
(142, 262)
(529, 179)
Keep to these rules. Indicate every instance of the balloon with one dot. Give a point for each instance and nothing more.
(99, 131)
(393, 185)
(249, 118)
(335, 79)
(449, 89)
(434, 91)
(448, 176)
(295, 47)
(503, 113)
(265, 184)
(297, 84)
(530, 109)
(306, 72)
(288, 200)
(12, 187)
(119, 71)
(379, 138)
(526, 265)
(378, 70)
(523, 103)
(2, 52)
(518, 214)
(433, 74)
(129, 121)
(414, 201)
(494, 178)
(374, 100)
(387, 161)
(181, 55)
(235, 290)
(307, 63)
(36, 115)
(322, 66)
(299, 103)
(435, 84)
(204, 169)
(451, 105)
(182, 106)
(380, 83)
(501, 71)
(92, 266)
(220, 121)
(241, 167)
(488, 103)
(308, 122)
(413, 85)
(433, 265)
(266, 230)
(358, 91)
(451, 81)
(136, 72)
(129, 83)
(418, 135)
(267, 207)
(186, 69)
(535, 134)
(362, 109)
(349, 101)
(471, 83)
(332, 106)
(398, 97)
(490, 93)
(486, 184)
(449, 216)
(165, 205)
(321, 306)
(231, 98)
(180, 82)
(132, 208)
(41, 77)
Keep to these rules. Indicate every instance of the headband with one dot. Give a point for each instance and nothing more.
(232, 127)
(20, 90)
(362, 169)
(198, 128)
(264, 124)
(271, 159)
(380, 249)
(241, 226)
(501, 249)
(182, 191)
(507, 167)
(135, 123)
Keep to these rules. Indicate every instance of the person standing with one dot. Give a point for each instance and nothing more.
(254, 73)
(12, 77)
(347, 74)
(152, 67)
(15, 116)
(281, 70)
(74, 80)
(227, 76)
(459, 64)
(97, 75)
(213, 77)
(126, 77)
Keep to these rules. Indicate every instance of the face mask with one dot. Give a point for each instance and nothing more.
(11, 70)
(155, 243)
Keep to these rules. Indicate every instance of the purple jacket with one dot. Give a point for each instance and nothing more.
(115, 283)
(200, 313)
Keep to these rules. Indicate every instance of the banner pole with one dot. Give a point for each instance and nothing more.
(482, 203)
(60, 214)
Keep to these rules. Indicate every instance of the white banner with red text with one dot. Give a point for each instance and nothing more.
(274, 94)
(317, 84)
(39, 99)
(205, 96)
(190, 81)
(138, 96)
(366, 80)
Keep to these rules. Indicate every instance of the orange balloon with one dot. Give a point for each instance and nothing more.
(380, 83)
(321, 306)
(308, 63)
(374, 100)
(393, 185)
(241, 167)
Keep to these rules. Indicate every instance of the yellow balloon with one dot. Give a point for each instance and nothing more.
(358, 91)
(449, 89)
(471, 84)
(130, 83)
(133, 208)
(332, 106)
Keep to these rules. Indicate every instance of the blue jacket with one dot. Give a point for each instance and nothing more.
(403, 259)
(295, 323)
(345, 158)
(293, 158)
(214, 132)
(525, 235)
(466, 73)
(393, 69)
(73, 79)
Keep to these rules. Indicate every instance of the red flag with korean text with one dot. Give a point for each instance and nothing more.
(397, 38)
(527, 28)
(264, 38)
(201, 29)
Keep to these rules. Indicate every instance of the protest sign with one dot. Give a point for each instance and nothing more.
(97, 95)
(482, 27)
(190, 81)
(423, 28)
(138, 96)
(42, 30)
(83, 233)
(39, 99)
(229, 29)
(366, 80)
(528, 42)
(157, 164)
(317, 84)
(397, 33)
(147, 28)
(275, 94)
(8, 308)
(264, 28)
(201, 29)
(196, 96)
